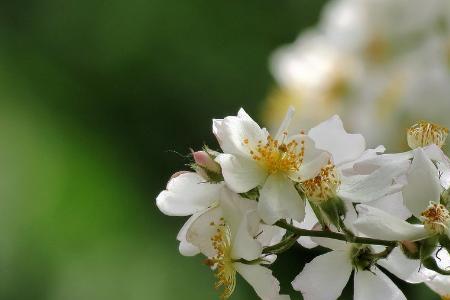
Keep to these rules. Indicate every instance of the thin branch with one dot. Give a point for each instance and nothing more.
(335, 235)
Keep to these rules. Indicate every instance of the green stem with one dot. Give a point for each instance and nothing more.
(335, 235)
(282, 246)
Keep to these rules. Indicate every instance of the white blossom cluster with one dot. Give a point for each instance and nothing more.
(378, 62)
(265, 192)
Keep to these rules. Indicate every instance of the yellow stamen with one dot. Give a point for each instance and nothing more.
(222, 262)
(424, 133)
(278, 156)
(437, 218)
(323, 186)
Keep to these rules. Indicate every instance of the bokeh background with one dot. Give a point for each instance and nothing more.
(99, 102)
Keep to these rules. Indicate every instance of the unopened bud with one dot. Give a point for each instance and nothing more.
(424, 134)
(204, 160)
(205, 165)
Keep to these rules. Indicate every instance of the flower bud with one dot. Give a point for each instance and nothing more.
(424, 133)
(204, 160)
(205, 165)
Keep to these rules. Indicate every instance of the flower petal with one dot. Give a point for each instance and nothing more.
(203, 228)
(332, 137)
(423, 184)
(235, 208)
(241, 174)
(245, 245)
(379, 183)
(378, 224)
(308, 223)
(440, 284)
(404, 268)
(186, 248)
(187, 194)
(324, 277)
(279, 200)
(266, 286)
(313, 158)
(392, 204)
(375, 286)
(238, 134)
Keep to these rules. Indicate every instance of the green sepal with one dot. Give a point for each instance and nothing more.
(334, 210)
(253, 194)
(428, 246)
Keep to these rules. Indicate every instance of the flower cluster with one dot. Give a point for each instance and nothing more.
(265, 192)
(373, 62)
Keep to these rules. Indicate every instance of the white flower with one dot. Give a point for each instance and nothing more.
(226, 235)
(375, 186)
(379, 27)
(253, 158)
(346, 150)
(187, 194)
(325, 276)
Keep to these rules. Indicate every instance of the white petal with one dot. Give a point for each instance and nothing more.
(370, 164)
(203, 228)
(241, 174)
(232, 131)
(308, 223)
(440, 284)
(279, 200)
(392, 204)
(423, 184)
(235, 208)
(285, 124)
(313, 159)
(261, 279)
(186, 248)
(332, 137)
(244, 245)
(187, 194)
(378, 224)
(270, 235)
(324, 277)
(377, 286)
(404, 268)
(348, 168)
(379, 183)
(331, 243)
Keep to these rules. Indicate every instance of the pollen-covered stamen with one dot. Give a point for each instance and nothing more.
(277, 155)
(222, 262)
(436, 218)
(322, 187)
(446, 297)
(424, 133)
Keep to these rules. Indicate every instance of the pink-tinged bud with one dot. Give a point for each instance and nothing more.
(204, 160)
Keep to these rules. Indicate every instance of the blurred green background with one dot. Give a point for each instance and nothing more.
(94, 95)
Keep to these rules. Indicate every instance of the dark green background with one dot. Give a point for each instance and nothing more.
(94, 96)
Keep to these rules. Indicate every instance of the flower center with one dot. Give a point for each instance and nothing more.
(322, 187)
(446, 297)
(436, 219)
(278, 156)
(222, 262)
(424, 133)
(361, 257)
